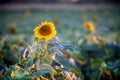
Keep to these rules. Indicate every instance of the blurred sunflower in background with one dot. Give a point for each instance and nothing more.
(89, 26)
(45, 31)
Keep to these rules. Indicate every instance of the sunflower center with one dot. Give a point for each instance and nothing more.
(87, 26)
(45, 30)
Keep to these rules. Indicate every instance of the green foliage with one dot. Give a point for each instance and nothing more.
(91, 59)
(42, 72)
(96, 63)
(18, 74)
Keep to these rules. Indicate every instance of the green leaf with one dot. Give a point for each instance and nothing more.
(63, 69)
(41, 72)
(2, 78)
(44, 69)
(23, 63)
(80, 56)
(96, 63)
(19, 73)
(78, 73)
(66, 64)
(30, 63)
(49, 67)
(92, 51)
(95, 75)
(93, 47)
(8, 72)
(43, 60)
(117, 63)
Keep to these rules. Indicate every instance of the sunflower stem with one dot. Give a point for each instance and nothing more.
(42, 47)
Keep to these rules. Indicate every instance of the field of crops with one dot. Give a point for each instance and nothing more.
(75, 53)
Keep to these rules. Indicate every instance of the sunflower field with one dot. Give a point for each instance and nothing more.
(60, 44)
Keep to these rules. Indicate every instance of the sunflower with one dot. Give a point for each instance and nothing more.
(45, 31)
(89, 26)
